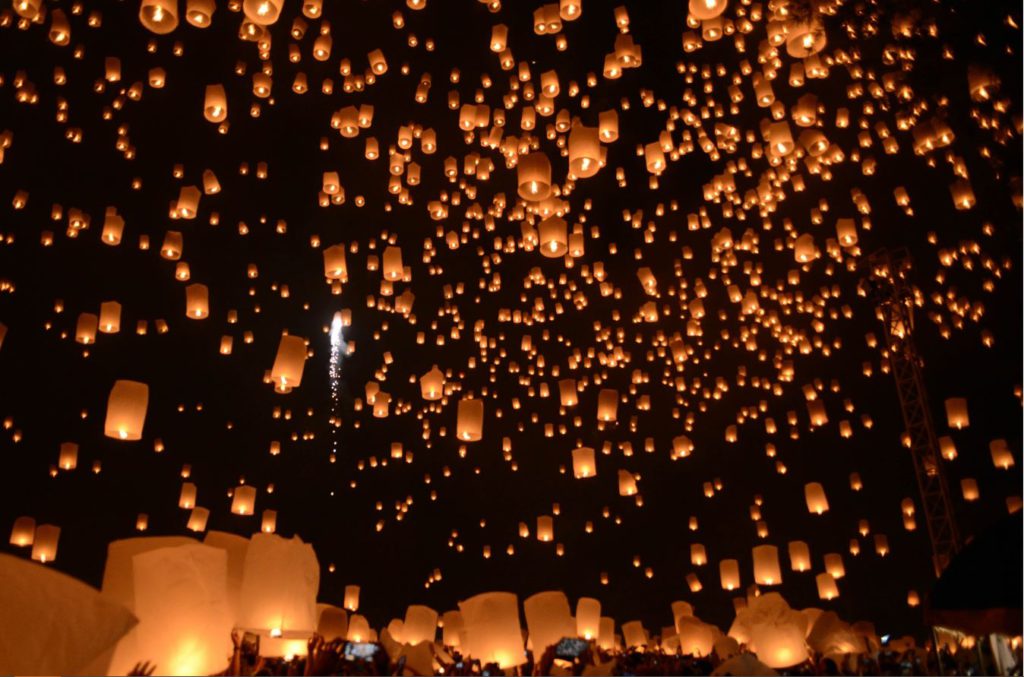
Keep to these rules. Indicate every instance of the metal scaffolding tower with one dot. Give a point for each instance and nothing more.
(886, 283)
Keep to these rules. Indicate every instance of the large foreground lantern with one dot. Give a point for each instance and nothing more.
(420, 624)
(492, 630)
(279, 586)
(588, 617)
(695, 636)
(159, 16)
(548, 619)
(126, 410)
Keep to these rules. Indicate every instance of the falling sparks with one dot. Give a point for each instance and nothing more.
(334, 373)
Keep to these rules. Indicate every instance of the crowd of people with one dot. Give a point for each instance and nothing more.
(336, 657)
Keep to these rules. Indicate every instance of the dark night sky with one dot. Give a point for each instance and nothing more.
(48, 382)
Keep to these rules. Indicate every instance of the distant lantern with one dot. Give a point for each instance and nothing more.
(827, 588)
(1002, 457)
(766, 565)
(393, 263)
(126, 410)
(215, 105)
(834, 565)
(583, 464)
(159, 16)
(351, 598)
(432, 384)
(913, 599)
(23, 532)
(956, 413)
(244, 500)
(197, 519)
(68, 459)
(44, 543)
(804, 250)
(110, 317)
(584, 151)
(197, 301)
(470, 420)
(534, 176)
(289, 363)
(335, 266)
(729, 572)
(187, 497)
(85, 328)
(698, 555)
(554, 240)
(969, 488)
(588, 618)
(799, 556)
(607, 405)
(567, 392)
(814, 494)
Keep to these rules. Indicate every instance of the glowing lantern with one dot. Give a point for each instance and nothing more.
(332, 623)
(634, 634)
(588, 617)
(846, 231)
(268, 524)
(197, 519)
(583, 463)
(351, 598)
(545, 528)
(804, 250)
(110, 317)
(244, 500)
(695, 636)
(432, 384)
(197, 301)
(215, 105)
(607, 405)
(969, 487)
(262, 12)
(1002, 457)
(702, 10)
(44, 543)
(584, 151)
(492, 630)
(834, 565)
(126, 410)
(420, 624)
(805, 38)
(956, 413)
(452, 629)
(470, 421)
(766, 565)
(68, 458)
(799, 556)
(553, 237)
(548, 619)
(358, 629)
(335, 267)
(159, 16)
(85, 328)
(814, 494)
(729, 572)
(627, 483)
(187, 497)
(23, 532)
(534, 177)
(827, 588)
(279, 585)
(567, 392)
(199, 13)
(393, 263)
(289, 363)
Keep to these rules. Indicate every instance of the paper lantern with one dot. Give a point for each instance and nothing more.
(262, 12)
(695, 637)
(420, 625)
(553, 237)
(766, 565)
(44, 543)
(289, 363)
(197, 519)
(548, 619)
(68, 458)
(729, 572)
(799, 556)
(197, 301)
(607, 405)
(187, 205)
(85, 328)
(199, 13)
(23, 532)
(584, 151)
(110, 317)
(126, 410)
(351, 599)
(335, 266)
(332, 622)
(956, 413)
(846, 232)
(588, 618)
(827, 588)
(634, 635)
(702, 10)
(583, 463)
(187, 497)
(181, 601)
(814, 494)
(215, 104)
(492, 630)
(452, 629)
(834, 565)
(567, 392)
(1002, 457)
(545, 528)
(805, 38)
(969, 487)
(393, 263)
(279, 586)
(358, 629)
(268, 524)
(534, 176)
(159, 16)
(432, 384)
(470, 420)
(627, 483)
(244, 500)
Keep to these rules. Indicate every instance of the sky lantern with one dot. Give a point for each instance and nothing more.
(199, 13)
(262, 12)
(279, 586)
(332, 622)
(197, 519)
(584, 151)
(729, 572)
(159, 16)
(766, 565)
(607, 405)
(827, 588)
(243, 502)
(548, 619)
(44, 543)
(215, 104)
(420, 624)
(492, 630)
(627, 483)
(126, 410)
(23, 532)
(351, 598)
(583, 463)
(452, 629)
(432, 384)
(545, 528)
(197, 301)
(68, 459)
(358, 629)
(799, 556)
(814, 494)
(588, 618)
(956, 413)
(534, 171)
(470, 422)
(289, 363)
(553, 237)
(695, 637)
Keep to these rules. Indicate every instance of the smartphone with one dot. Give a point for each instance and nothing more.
(250, 644)
(570, 647)
(361, 650)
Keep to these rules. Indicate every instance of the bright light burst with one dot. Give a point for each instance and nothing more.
(338, 347)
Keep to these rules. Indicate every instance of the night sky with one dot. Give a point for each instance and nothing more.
(216, 414)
